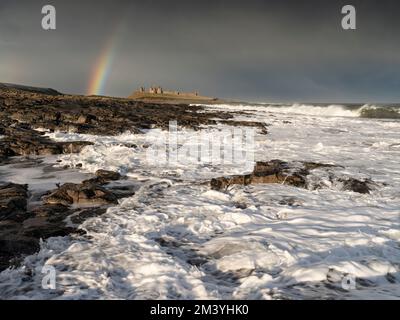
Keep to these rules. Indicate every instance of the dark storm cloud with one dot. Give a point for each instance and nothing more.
(258, 50)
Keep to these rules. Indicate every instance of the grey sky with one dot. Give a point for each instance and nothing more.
(254, 50)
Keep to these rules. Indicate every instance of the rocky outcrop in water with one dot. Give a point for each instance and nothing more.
(356, 185)
(22, 226)
(13, 201)
(294, 174)
(274, 171)
(21, 140)
(89, 192)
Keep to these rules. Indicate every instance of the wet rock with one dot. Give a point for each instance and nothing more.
(13, 247)
(294, 174)
(197, 261)
(8, 102)
(13, 201)
(277, 171)
(123, 191)
(22, 110)
(274, 171)
(74, 146)
(130, 145)
(22, 227)
(20, 140)
(82, 119)
(42, 228)
(108, 175)
(224, 182)
(81, 194)
(51, 211)
(18, 239)
(315, 165)
(259, 125)
(86, 213)
(290, 201)
(103, 177)
(355, 185)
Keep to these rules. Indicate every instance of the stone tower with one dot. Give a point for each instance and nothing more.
(159, 90)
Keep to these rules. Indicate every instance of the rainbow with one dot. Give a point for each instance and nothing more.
(102, 69)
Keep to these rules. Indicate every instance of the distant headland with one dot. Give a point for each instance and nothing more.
(154, 94)
(159, 94)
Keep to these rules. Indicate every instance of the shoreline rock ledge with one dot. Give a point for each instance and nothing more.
(291, 173)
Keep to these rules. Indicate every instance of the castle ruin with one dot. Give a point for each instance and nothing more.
(159, 90)
(153, 90)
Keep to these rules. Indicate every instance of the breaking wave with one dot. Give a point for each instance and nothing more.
(383, 112)
(334, 110)
(364, 111)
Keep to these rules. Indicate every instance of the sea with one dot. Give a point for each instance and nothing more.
(176, 238)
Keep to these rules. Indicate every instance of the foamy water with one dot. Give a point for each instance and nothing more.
(333, 110)
(177, 239)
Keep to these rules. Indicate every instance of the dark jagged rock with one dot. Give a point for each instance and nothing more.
(81, 194)
(14, 247)
(22, 237)
(294, 174)
(89, 192)
(86, 213)
(277, 171)
(108, 175)
(355, 185)
(21, 140)
(13, 201)
(274, 171)
(73, 146)
(315, 165)
(101, 115)
(18, 239)
(23, 109)
(42, 228)
(12, 86)
(103, 177)
(53, 212)
(21, 228)
(260, 125)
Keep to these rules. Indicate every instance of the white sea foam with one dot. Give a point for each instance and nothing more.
(360, 111)
(296, 108)
(175, 238)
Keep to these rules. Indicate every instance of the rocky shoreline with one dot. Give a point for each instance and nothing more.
(26, 114)
(22, 227)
